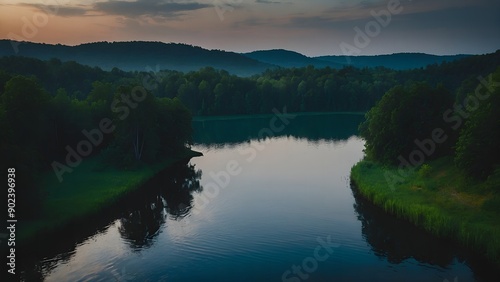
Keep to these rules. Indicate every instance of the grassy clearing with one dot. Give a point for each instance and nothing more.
(440, 199)
(87, 190)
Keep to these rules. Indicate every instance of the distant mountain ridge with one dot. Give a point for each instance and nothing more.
(398, 61)
(142, 56)
(289, 59)
(139, 56)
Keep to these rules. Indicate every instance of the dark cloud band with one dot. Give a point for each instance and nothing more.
(147, 8)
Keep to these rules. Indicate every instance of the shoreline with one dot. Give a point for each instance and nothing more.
(93, 189)
(269, 115)
(435, 203)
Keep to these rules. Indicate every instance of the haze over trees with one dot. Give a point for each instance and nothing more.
(209, 91)
(138, 55)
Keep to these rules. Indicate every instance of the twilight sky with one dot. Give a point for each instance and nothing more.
(312, 27)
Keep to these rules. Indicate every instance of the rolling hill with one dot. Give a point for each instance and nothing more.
(142, 56)
(399, 61)
(288, 59)
(139, 56)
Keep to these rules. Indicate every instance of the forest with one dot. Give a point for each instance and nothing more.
(51, 131)
(210, 91)
(432, 158)
(420, 118)
(55, 113)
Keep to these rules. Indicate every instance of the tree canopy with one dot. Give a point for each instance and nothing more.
(48, 108)
(477, 148)
(43, 130)
(421, 118)
(403, 117)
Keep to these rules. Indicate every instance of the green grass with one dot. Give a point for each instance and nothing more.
(440, 199)
(88, 189)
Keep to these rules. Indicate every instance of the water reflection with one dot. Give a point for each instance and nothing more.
(264, 222)
(397, 240)
(170, 195)
(140, 216)
(212, 132)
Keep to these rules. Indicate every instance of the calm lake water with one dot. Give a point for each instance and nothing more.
(270, 200)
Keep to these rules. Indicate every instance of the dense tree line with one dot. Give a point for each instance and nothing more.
(216, 92)
(402, 119)
(49, 106)
(44, 130)
(477, 147)
(412, 124)
(53, 74)
(39, 125)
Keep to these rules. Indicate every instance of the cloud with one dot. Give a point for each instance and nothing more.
(268, 2)
(254, 21)
(314, 22)
(63, 11)
(162, 8)
(349, 15)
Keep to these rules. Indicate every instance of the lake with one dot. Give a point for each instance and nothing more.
(270, 200)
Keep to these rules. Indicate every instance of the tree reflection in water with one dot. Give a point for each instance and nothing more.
(388, 237)
(397, 240)
(167, 195)
(140, 215)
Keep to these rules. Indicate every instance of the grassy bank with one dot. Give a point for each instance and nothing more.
(87, 190)
(440, 199)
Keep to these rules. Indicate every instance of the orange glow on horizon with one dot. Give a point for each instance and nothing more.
(29, 24)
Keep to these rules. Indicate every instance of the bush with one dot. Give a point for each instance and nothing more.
(424, 171)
